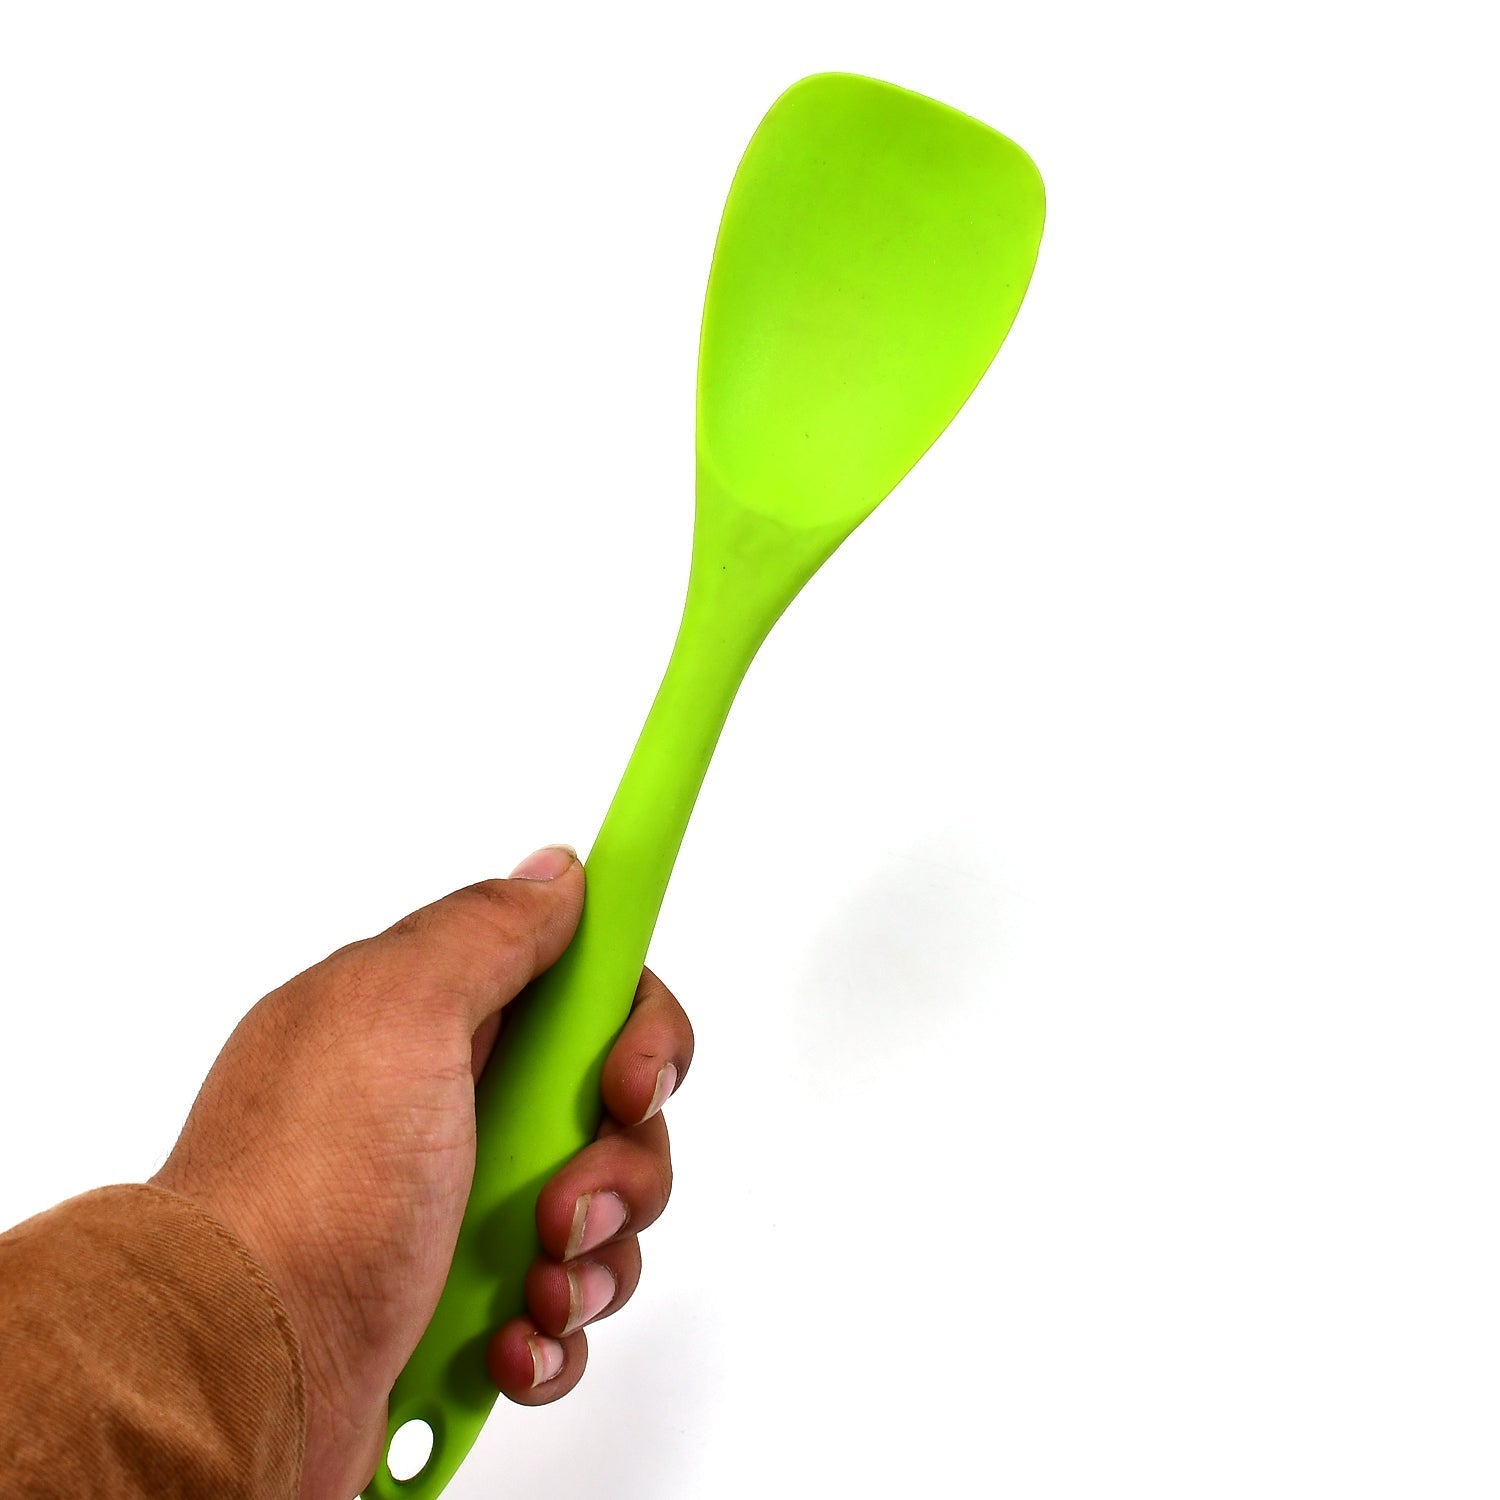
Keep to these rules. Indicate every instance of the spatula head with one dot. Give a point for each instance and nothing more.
(873, 253)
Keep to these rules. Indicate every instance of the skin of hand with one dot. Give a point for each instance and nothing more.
(335, 1136)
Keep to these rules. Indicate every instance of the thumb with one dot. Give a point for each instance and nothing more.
(483, 945)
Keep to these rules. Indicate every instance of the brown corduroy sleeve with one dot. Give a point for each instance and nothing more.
(143, 1352)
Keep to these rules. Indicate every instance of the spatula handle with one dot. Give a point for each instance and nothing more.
(538, 1103)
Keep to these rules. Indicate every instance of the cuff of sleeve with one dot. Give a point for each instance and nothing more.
(148, 1353)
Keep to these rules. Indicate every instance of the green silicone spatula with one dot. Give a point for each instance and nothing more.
(873, 253)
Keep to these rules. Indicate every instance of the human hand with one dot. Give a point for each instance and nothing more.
(335, 1136)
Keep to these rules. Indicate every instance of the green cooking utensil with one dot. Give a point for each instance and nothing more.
(874, 250)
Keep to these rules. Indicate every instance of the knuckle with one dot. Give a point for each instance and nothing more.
(492, 893)
(504, 909)
(358, 978)
(487, 915)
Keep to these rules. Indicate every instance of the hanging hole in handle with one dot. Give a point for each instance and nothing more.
(410, 1451)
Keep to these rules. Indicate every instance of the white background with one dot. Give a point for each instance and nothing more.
(1090, 918)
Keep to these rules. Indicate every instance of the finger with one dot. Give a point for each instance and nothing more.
(651, 1055)
(616, 1185)
(483, 945)
(533, 1368)
(563, 1299)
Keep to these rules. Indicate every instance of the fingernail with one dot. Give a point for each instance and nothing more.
(546, 864)
(591, 1288)
(546, 1359)
(598, 1217)
(666, 1081)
